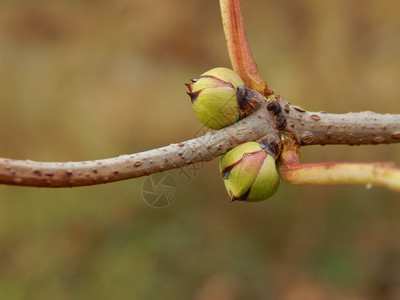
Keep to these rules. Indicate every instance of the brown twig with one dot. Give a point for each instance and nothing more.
(205, 148)
(354, 128)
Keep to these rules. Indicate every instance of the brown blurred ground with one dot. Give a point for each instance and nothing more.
(93, 79)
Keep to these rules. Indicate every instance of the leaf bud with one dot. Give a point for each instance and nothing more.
(215, 97)
(249, 173)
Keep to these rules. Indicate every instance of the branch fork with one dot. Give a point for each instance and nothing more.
(302, 128)
(277, 125)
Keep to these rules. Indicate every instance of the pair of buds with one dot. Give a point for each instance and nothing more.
(249, 172)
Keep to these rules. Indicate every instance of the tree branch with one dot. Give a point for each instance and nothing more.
(72, 174)
(321, 128)
(308, 128)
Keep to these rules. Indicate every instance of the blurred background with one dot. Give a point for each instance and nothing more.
(86, 79)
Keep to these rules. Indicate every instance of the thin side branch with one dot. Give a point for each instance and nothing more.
(238, 47)
(291, 170)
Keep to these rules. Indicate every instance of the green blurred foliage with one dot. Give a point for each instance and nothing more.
(93, 79)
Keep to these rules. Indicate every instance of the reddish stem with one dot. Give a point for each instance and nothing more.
(238, 47)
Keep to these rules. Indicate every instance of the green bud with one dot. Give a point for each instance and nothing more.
(214, 97)
(249, 173)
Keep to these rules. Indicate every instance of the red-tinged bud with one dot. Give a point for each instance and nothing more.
(249, 173)
(215, 97)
